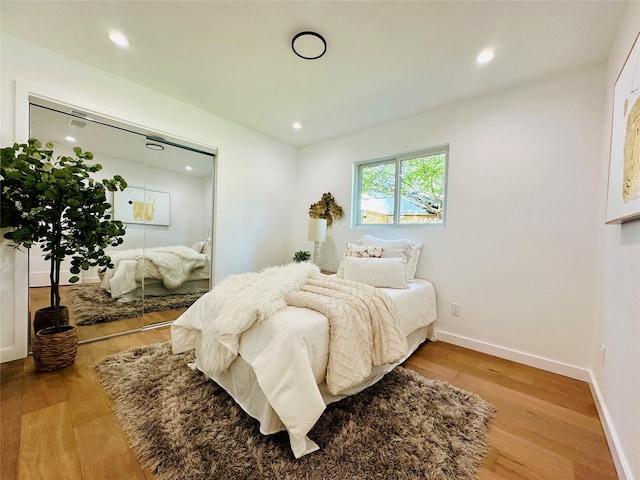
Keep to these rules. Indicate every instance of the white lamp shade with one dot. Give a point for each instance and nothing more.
(317, 229)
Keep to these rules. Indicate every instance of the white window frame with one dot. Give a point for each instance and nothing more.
(397, 159)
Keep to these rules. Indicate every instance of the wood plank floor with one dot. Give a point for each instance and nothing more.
(60, 424)
(39, 298)
(546, 425)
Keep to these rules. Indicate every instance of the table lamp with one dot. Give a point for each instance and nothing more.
(317, 233)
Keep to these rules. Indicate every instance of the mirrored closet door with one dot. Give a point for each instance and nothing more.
(165, 261)
(176, 223)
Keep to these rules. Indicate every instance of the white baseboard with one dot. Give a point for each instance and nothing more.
(619, 459)
(622, 465)
(549, 365)
(41, 279)
(13, 352)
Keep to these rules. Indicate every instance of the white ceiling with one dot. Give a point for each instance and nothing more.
(384, 60)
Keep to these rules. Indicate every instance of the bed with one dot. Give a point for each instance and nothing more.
(157, 271)
(279, 372)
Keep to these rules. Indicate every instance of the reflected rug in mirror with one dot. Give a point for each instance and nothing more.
(89, 304)
(183, 426)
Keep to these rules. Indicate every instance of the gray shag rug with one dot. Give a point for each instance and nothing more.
(89, 303)
(183, 426)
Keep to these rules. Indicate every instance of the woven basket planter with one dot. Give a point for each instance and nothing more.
(46, 317)
(53, 351)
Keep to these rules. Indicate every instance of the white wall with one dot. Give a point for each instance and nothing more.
(617, 381)
(187, 193)
(254, 172)
(518, 250)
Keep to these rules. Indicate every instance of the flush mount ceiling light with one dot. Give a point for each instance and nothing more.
(309, 45)
(155, 146)
(296, 125)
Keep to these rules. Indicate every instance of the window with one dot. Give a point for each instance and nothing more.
(405, 190)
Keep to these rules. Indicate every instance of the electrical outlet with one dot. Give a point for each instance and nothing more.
(603, 351)
(455, 309)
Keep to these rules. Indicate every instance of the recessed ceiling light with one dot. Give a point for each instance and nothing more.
(119, 39)
(188, 168)
(485, 56)
(69, 138)
(296, 125)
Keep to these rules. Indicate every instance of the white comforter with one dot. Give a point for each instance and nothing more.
(280, 375)
(172, 265)
(364, 328)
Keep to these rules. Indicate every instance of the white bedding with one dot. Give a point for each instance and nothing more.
(279, 376)
(170, 266)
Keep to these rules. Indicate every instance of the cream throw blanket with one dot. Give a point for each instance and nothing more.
(364, 329)
(172, 265)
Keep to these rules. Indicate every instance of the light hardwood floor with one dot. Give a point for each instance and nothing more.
(60, 425)
(39, 298)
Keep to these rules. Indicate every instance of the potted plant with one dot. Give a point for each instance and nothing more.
(56, 203)
(301, 256)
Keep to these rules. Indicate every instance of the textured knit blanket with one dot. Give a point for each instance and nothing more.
(364, 329)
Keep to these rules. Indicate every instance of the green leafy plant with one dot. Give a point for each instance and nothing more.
(55, 202)
(301, 256)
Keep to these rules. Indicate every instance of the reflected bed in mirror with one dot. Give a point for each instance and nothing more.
(165, 262)
(157, 271)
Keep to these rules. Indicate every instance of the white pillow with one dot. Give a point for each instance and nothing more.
(206, 249)
(203, 247)
(406, 249)
(198, 246)
(359, 251)
(377, 272)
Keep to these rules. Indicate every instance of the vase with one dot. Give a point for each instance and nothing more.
(55, 350)
(46, 317)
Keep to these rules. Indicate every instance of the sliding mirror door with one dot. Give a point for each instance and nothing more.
(177, 222)
(164, 264)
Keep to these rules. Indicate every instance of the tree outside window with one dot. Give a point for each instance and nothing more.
(408, 189)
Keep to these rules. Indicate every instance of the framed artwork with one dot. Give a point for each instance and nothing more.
(142, 206)
(623, 197)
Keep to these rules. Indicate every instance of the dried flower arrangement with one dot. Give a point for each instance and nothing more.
(326, 208)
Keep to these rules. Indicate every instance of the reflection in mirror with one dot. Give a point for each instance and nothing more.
(164, 264)
(175, 210)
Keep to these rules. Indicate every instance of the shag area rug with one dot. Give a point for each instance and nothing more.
(183, 426)
(89, 304)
